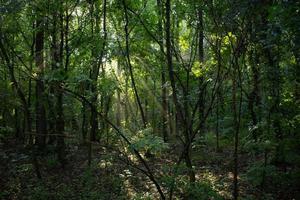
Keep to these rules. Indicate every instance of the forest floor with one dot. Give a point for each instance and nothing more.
(110, 176)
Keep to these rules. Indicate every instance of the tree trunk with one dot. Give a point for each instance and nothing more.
(164, 113)
(95, 70)
(127, 52)
(41, 123)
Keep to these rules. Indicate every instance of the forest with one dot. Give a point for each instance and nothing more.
(149, 99)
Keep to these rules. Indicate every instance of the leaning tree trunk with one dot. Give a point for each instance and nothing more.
(128, 59)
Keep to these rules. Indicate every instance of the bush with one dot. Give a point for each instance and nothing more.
(201, 191)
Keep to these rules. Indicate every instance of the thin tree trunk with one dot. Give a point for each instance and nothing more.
(218, 95)
(41, 123)
(18, 129)
(175, 98)
(236, 131)
(217, 126)
(118, 114)
(83, 123)
(95, 74)
(130, 65)
(236, 124)
(200, 30)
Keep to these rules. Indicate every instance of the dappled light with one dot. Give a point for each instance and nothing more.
(149, 99)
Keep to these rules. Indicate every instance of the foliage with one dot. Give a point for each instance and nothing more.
(145, 141)
(193, 84)
(201, 191)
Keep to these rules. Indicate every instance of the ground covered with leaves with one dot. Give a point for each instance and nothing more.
(114, 174)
